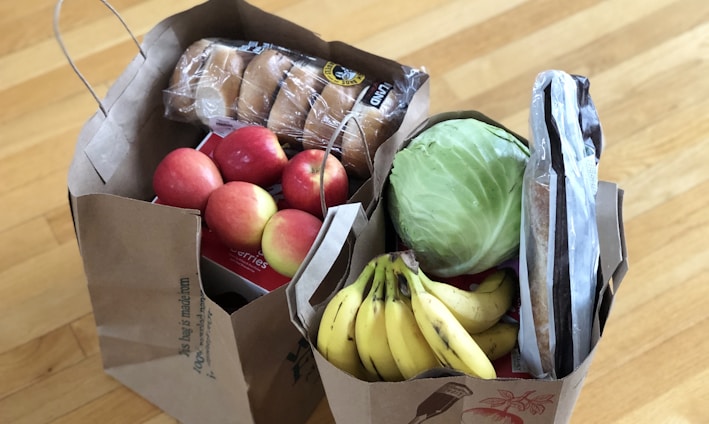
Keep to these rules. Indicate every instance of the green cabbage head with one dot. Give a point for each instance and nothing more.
(455, 194)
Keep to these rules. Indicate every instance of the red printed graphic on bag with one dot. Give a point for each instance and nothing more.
(497, 409)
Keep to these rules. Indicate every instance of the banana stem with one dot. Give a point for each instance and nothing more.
(365, 276)
(411, 276)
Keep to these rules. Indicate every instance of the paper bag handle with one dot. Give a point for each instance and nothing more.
(331, 143)
(58, 36)
(339, 224)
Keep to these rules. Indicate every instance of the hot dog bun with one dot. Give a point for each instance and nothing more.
(326, 113)
(179, 96)
(379, 114)
(218, 87)
(259, 86)
(304, 81)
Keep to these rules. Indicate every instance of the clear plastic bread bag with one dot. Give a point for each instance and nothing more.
(307, 101)
(559, 251)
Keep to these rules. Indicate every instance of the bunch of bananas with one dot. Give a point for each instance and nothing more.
(393, 322)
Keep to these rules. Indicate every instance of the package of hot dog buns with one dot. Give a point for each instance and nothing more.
(559, 245)
(307, 101)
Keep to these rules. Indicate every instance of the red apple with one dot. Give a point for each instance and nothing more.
(237, 212)
(301, 181)
(287, 238)
(252, 154)
(185, 178)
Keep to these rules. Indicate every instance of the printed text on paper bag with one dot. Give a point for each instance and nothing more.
(303, 362)
(195, 317)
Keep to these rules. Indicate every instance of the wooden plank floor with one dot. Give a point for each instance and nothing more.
(648, 62)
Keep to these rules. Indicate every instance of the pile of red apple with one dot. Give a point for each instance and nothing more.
(230, 188)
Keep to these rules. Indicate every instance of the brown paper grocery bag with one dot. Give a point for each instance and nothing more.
(160, 330)
(443, 397)
(162, 337)
(440, 396)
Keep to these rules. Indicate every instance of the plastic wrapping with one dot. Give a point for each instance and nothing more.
(307, 101)
(559, 247)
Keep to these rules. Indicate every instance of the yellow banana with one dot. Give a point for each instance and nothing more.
(451, 343)
(409, 348)
(482, 308)
(336, 333)
(498, 340)
(370, 329)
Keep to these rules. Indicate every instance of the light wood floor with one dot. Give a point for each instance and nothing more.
(648, 61)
